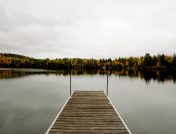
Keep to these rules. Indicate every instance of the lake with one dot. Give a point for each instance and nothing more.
(31, 98)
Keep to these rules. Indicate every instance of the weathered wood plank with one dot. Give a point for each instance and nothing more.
(88, 112)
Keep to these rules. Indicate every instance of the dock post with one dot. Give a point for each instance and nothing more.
(107, 86)
(70, 83)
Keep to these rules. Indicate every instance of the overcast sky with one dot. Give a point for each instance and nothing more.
(87, 28)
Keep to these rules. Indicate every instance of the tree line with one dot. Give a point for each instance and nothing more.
(146, 62)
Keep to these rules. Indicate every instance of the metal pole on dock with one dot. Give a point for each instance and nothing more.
(107, 86)
(70, 82)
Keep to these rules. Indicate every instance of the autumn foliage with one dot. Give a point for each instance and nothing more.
(147, 62)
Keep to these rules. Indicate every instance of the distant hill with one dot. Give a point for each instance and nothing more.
(13, 55)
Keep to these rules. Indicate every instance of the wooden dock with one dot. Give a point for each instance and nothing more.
(88, 112)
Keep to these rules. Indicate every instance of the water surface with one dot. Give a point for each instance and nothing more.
(30, 99)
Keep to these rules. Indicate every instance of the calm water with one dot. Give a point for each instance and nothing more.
(30, 99)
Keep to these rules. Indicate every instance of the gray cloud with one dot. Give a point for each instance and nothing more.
(87, 28)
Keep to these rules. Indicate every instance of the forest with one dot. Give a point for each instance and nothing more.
(146, 62)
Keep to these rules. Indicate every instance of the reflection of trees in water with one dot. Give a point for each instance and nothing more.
(6, 74)
(160, 76)
(11, 74)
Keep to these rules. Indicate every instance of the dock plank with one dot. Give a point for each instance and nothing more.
(88, 112)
